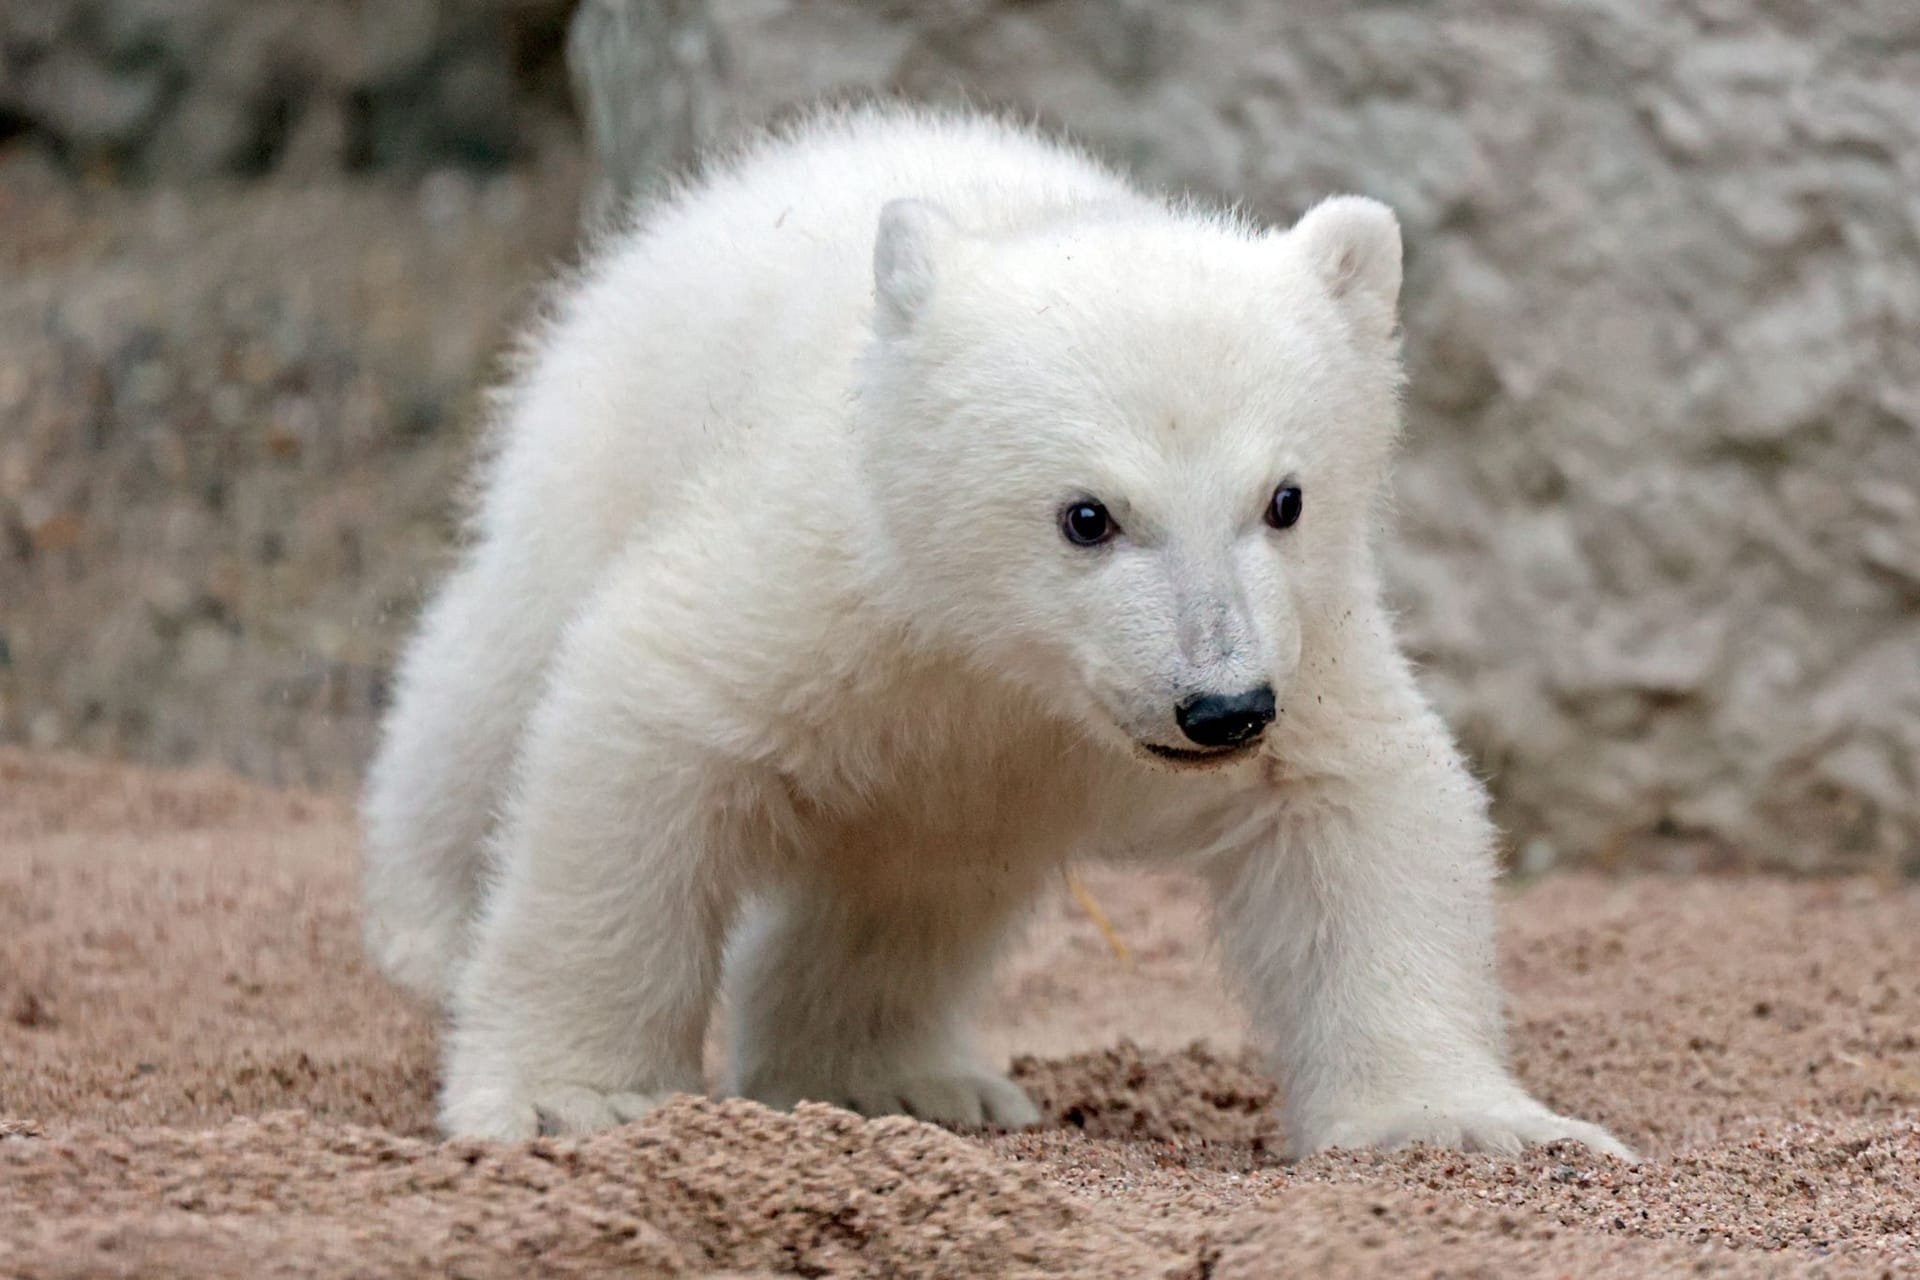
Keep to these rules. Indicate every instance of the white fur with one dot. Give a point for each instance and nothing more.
(768, 598)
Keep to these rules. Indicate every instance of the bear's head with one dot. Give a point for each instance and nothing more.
(1131, 460)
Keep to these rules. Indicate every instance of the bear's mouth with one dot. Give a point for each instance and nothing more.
(1202, 758)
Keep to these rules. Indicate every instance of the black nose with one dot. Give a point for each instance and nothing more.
(1226, 720)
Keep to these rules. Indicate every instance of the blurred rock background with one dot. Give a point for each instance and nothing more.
(1658, 537)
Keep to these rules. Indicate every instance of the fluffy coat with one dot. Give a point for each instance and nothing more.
(769, 655)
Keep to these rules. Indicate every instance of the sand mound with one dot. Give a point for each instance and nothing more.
(199, 1076)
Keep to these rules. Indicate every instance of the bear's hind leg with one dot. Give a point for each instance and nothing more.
(862, 1002)
(462, 695)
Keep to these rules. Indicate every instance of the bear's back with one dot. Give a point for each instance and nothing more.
(830, 173)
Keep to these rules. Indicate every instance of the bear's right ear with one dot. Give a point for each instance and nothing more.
(912, 233)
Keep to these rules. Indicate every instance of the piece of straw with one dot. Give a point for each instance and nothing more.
(1089, 905)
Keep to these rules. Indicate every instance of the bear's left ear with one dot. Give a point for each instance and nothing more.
(905, 253)
(1353, 244)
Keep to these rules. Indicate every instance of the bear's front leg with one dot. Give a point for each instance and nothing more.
(596, 958)
(1360, 923)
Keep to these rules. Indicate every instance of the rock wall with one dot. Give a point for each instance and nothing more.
(1658, 532)
(233, 423)
(1658, 535)
(196, 88)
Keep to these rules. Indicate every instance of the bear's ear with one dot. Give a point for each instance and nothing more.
(912, 234)
(1353, 244)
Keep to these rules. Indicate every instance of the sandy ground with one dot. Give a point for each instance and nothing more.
(199, 1076)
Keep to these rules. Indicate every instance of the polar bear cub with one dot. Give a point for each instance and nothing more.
(905, 508)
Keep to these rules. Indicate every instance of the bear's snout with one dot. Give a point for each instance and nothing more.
(1226, 719)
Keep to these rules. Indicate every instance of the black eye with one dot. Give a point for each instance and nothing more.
(1284, 511)
(1086, 524)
